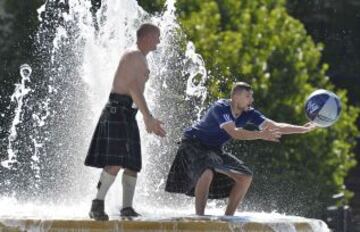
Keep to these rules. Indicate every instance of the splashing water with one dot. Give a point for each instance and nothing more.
(57, 111)
(19, 94)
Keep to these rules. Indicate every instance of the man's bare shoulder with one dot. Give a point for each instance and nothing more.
(133, 54)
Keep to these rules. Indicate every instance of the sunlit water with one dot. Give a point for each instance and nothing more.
(59, 100)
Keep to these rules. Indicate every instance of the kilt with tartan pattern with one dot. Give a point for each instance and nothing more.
(116, 140)
(191, 160)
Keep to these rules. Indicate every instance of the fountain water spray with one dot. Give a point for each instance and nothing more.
(69, 87)
(57, 112)
(17, 97)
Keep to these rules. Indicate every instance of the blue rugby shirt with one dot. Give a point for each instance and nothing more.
(209, 130)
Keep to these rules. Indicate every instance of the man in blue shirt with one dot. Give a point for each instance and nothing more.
(202, 169)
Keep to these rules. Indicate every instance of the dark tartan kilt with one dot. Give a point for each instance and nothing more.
(116, 140)
(192, 159)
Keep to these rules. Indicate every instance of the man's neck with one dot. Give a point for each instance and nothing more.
(142, 49)
(236, 112)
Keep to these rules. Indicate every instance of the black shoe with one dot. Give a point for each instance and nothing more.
(97, 211)
(129, 212)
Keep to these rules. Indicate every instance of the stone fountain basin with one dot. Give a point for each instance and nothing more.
(241, 223)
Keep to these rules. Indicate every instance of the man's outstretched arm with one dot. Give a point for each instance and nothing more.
(286, 128)
(242, 134)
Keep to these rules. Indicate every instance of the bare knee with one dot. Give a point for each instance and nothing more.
(243, 179)
(207, 175)
(112, 170)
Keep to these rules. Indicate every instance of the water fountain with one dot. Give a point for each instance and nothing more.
(56, 105)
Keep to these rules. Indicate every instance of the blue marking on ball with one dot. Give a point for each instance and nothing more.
(323, 107)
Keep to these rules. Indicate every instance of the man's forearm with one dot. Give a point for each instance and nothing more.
(139, 100)
(286, 128)
(242, 134)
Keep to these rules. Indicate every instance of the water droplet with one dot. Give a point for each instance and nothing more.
(25, 70)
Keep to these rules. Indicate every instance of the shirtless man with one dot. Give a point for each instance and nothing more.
(116, 141)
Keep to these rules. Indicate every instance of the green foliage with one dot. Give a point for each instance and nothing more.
(258, 42)
(151, 6)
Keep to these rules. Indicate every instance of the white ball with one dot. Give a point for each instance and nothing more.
(323, 107)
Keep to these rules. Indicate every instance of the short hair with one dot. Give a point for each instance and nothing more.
(240, 86)
(146, 29)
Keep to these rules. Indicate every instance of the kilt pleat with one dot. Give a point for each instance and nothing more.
(192, 159)
(116, 140)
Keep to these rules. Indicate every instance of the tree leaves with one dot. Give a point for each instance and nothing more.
(258, 42)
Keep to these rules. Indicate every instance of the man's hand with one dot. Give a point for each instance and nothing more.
(309, 126)
(153, 125)
(270, 135)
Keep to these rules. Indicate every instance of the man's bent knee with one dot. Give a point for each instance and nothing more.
(208, 174)
(112, 170)
(242, 178)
